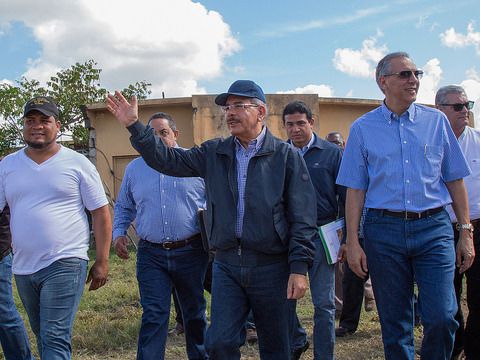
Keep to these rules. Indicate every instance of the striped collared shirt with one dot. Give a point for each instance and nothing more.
(402, 161)
(164, 207)
(243, 157)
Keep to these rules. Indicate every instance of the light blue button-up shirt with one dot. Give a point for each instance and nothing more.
(243, 157)
(164, 207)
(402, 161)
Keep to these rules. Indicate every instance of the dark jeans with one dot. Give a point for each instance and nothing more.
(157, 270)
(13, 336)
(468, 337)
(400, 252)
(353, 289)
(235, 290)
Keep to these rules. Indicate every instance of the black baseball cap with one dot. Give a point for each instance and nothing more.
(44, 104)
(245, 88)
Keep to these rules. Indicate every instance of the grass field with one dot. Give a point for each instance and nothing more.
(108, 320)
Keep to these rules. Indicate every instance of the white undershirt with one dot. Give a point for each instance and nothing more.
(470, 144)
(47, 201)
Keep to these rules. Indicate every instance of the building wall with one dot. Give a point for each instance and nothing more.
(199, 119)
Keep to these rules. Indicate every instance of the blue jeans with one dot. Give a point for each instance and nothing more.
(13, 336)
(235, 290)
(51, 297)
(322, 287)
(157, 270)
(400, 252)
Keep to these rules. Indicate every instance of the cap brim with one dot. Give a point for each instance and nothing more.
(222, 98)
(43, 111)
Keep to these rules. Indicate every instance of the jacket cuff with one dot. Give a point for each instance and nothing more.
(136, 128)
(298, 267)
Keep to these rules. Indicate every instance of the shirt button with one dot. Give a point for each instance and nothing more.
(406, 161)
(164, 206)
(401, 124)
(408, 181)
(408, 201)
(404, 141)
(166, 223)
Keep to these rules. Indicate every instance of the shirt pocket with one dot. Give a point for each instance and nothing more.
(432, 163)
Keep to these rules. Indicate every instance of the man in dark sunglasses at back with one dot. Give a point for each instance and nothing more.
(453, 101)
(403, 163)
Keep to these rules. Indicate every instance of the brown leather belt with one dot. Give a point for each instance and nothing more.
(170, 245)
(410, 215)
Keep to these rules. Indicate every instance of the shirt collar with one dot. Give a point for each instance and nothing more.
(305, 148)
(389, 115)
(257, 142)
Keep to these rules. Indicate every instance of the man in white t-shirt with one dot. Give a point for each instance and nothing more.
(48, 187)
(453, 101)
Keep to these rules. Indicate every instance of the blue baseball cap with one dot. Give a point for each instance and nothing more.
(245, 88)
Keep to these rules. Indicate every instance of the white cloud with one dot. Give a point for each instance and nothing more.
(453, 39)
(172, 44)
(430, 81)
(321, 90)
(6, 81)
(346, 18)
(360, 63)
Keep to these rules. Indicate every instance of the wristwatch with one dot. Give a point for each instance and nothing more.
(464, 227)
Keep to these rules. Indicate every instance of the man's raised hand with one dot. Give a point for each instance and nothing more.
(125, 112)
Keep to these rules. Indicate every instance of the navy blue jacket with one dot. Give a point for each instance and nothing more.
(323, 162)
(280, 212)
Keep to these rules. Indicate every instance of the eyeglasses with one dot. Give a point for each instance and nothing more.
(238, 107)
(405, 74)
(459, 106)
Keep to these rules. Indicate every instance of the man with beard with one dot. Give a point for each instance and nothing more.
(47, 187)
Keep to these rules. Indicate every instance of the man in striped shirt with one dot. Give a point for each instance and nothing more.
(403, 163)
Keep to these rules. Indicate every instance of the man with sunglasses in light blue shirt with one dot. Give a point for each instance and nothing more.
(403, 163)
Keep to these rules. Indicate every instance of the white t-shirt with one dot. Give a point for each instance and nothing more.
(47, 202)
(470, 143)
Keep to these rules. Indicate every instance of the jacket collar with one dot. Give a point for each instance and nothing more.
(227, 146)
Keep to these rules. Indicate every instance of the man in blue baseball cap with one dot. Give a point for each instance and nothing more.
(260, 218)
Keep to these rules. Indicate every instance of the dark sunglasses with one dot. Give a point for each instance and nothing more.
(459, 106)
(405, 74)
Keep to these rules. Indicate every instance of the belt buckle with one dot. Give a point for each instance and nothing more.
(167, 245)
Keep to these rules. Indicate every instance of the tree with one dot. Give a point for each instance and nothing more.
(72, 89)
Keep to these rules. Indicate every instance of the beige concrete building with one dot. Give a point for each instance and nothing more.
(199, 119)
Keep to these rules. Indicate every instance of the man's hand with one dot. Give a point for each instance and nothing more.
(98, 275)
(120, 246)
(342, 253)
(297, 286)
(125, 112)
(357, 260)
(465, 251)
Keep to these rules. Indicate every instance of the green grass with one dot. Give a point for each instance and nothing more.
(108, 320)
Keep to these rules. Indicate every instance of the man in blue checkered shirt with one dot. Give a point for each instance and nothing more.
(260, 217)
(403, 163)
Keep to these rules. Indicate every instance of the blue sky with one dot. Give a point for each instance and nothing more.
(185, 47)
